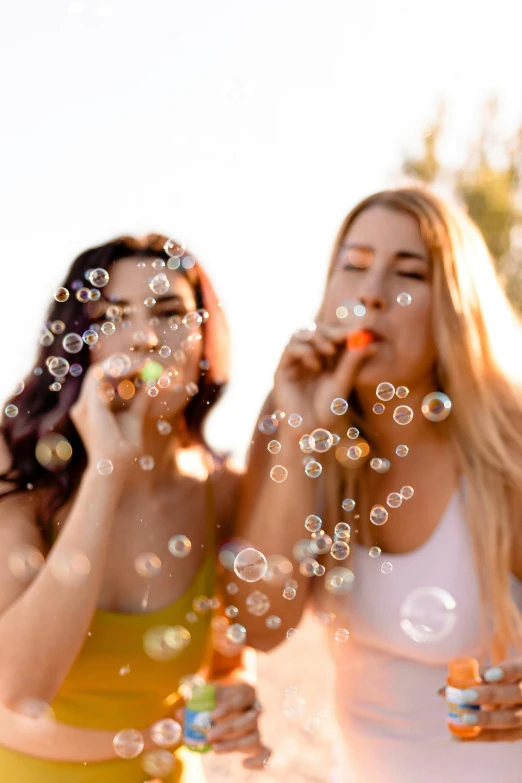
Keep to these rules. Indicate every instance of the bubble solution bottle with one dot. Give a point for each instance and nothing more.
(198, 718)
(462, 673)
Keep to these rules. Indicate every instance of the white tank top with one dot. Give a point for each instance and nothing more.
(392, 722)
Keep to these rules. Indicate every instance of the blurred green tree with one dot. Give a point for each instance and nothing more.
(488, 184)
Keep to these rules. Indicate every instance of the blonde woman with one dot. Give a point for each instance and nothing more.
(434, 573)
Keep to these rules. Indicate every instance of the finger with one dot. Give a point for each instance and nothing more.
(302, 353)
(233, 728)
(507, 695)
(491, 735)
(259, 760)
(494, 719)
(507, 671)
(233, 698)
(349, 363)
(243, 744)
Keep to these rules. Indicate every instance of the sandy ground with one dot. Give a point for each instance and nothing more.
(297, 725)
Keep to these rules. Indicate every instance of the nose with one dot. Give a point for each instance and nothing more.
(371, 290)
(144, 337)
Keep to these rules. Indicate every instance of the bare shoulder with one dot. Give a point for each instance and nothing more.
(227, 489)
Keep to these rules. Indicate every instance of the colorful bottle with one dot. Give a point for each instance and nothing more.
(198, 718)
(462, 673)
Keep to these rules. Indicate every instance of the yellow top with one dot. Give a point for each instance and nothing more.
(114, 684)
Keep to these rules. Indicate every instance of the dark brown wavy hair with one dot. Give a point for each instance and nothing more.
(42, 410)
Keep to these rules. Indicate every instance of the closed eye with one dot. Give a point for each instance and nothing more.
(414, 275)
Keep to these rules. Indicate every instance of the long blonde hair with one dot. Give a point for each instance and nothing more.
(478, 336)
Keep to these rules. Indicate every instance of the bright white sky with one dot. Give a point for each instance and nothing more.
(246, 128)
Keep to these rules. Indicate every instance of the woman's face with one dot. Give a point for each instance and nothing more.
(382, 257)
(148, 306)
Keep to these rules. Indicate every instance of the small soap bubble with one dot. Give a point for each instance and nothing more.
(402, 392)
(353, 433)
(257, 603)
(46, 338)
(274, 447)
(436, 406)
(124, 670)
(108, 328)
(159, 284)
(313, 523)
(428, 614)
(25, 561)
(104, 467)
(279, 474)
(374, 551)
(407, 492)
(289, 593)
(336, 439)
(166, 733)
(163, 427)
(340, 550)
(75, 370)
(378, 515)
(192, 320)
(58, 367)
(231, 612)
(273, 622)
(192, 389)
(404, 299)
(305, 444)
(165, 642)
(11, 411)
(179, 546)
(402, 450)
(378, 408)
(94, 295)
(292, 633)
(83, 295)
(394, 500)
(267, 425)
(147, 565)
(128, 743)
(321, 440)
(61, 294)
(201, 604)
(354, 452)
(339, 406)
(90, 337)
(348, 504)
(320, 543)
(385, 391)
(72, 343)
(55, 387)
(188, 262)
(339, 581)
(295, 420)
(236, 633)
(153, 391)
(146, 462)
(342, 531)
(386, 568)
(313, 469)
(57, 327)
(307, 566)
(163, 382)
(174, 248)
(70, 568)
(113, 312)
(250, 565)
(376, 463)
(232, 588)
(98, 277)
(402, 414)
(341, 635)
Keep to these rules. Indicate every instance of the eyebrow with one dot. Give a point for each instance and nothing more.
(398, 254)
(159, 299)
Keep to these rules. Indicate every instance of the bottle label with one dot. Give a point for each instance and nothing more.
(197, 725)
(457, 706)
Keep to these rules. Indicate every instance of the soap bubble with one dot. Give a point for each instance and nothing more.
(146, 462)
(191, 388)
(339, 406)
(25, 561)
(149, 301)
(354, 452)
(375, 463)
(147, 565)
(108, 328)
(55, 387)
(124, 670)
(179, 546)
(321, 440)
(75, 370)
(342, 635)
(292, 633)
(267, 425)
(250, 565)
(61, 294)
(374, 551)
(94, 295)
(163, 427)
(159, 284)
(295, 420)
(378, 515)
(404, 299)
(128, 744)
(394, 500)
(273, 622)
(117, 365)
(58, 367)
(402, 414)
(320, 543)
(236, 633)
(174, 248)
(339, 580)
(289, 593)
(385, 391)
(428, 614)
(378, 408)
(104, 467)
(53, 451)
(274, 447)
(164, 351)
(98, 277)
(313, 523)
(343, 530)
(313, 469)
(386, 568)
(402, 392)
(83, 295)
(153, 391)
(90, 337)
(348, 504)
(72, 343)
(158, 763)
(279, 474)
(402, 450)
(231, 612)
(340, 550)
(165, 642)
(232, 588)
(407, 492)
(257, 603)
(11, 411)
(305, 444)
(353, 433)
(436, 406)
(307, 566)
(70, 568)
(57, 327)
(46, 338)
(192, 320)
